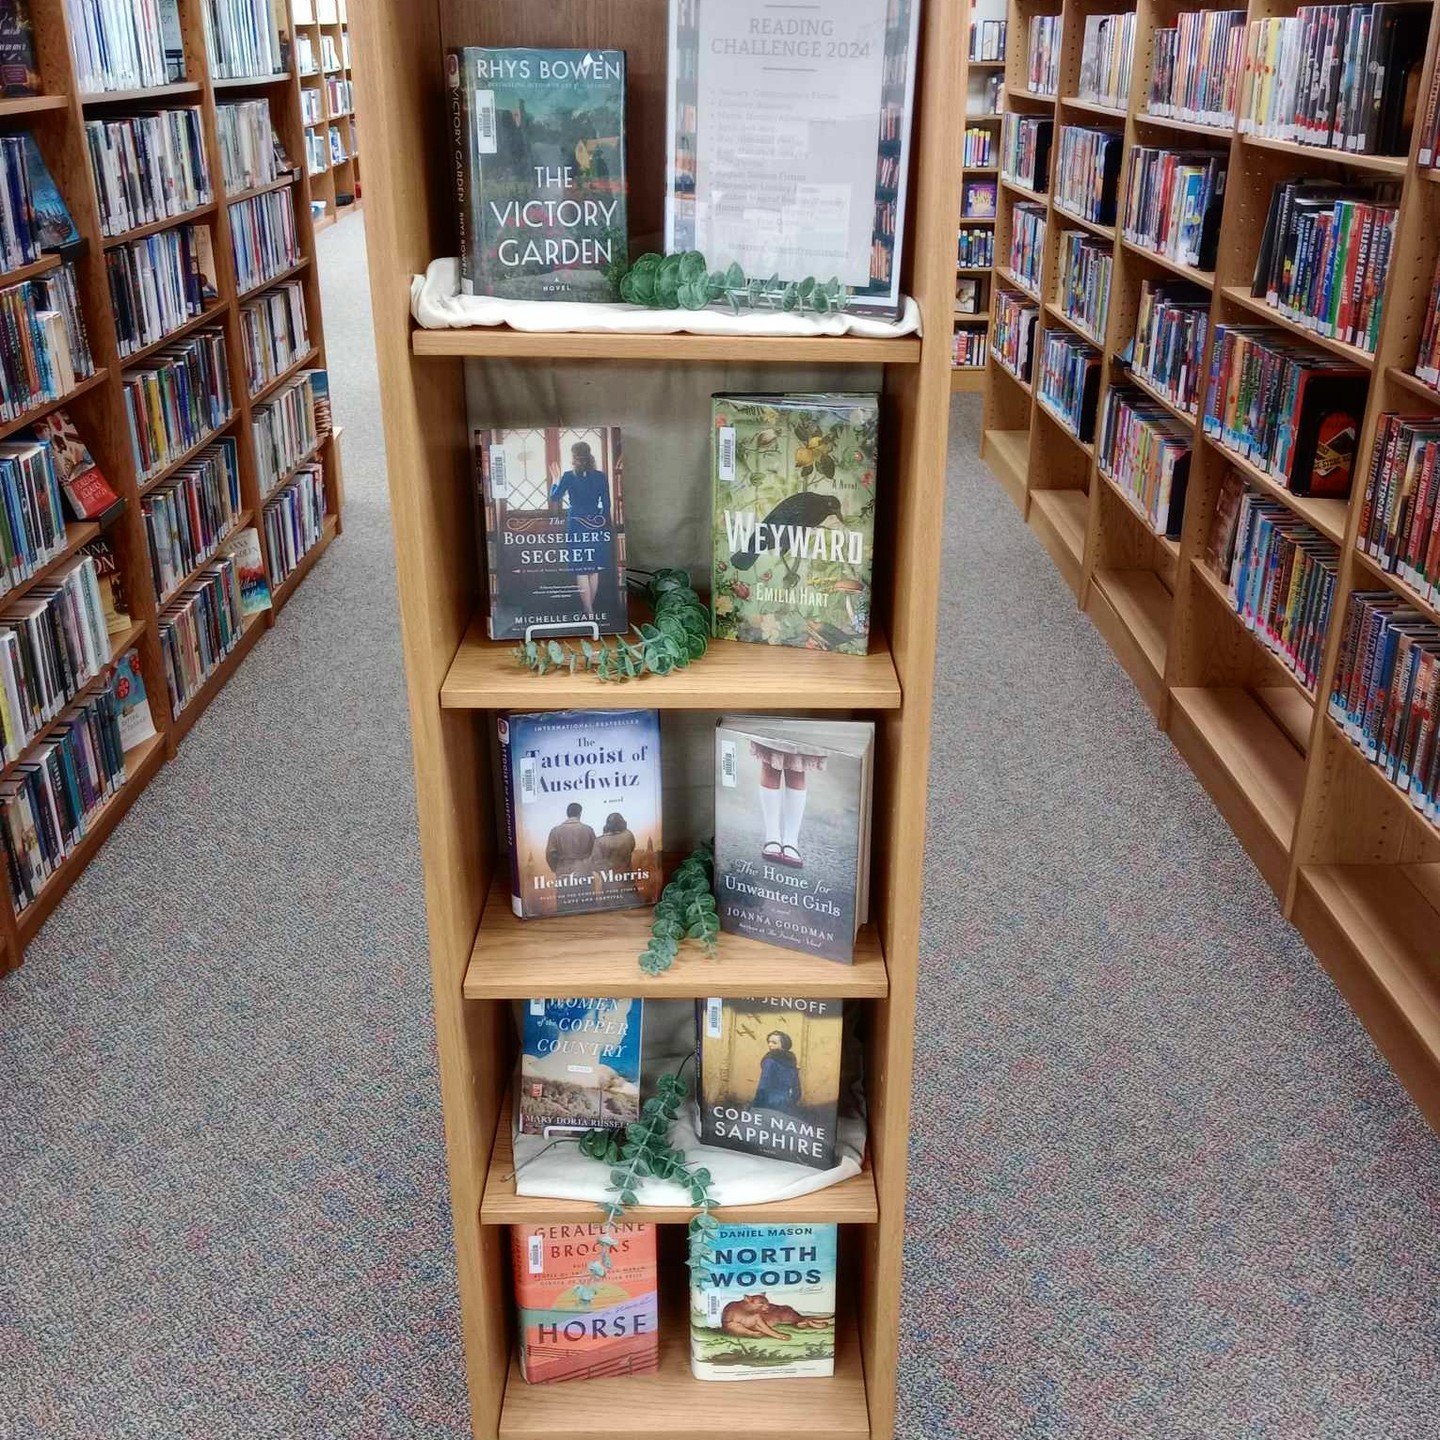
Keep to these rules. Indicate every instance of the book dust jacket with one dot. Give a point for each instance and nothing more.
(539, 140)
(582, 808)
(770, 1077)
(554, 530)
(575, 1325)
(764, 1307)
(794, 519)
(580, 1066)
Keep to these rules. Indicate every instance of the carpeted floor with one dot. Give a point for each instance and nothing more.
(1162, 1184)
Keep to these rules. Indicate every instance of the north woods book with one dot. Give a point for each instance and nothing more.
(539, 141)
(792, 831)
(769, 1077)
(794, 520)
(582, 809)
(554, 526)
(763, 1308)
(575, 1325)
(580, 1066)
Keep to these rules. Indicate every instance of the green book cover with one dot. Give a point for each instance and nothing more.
(794, 518)
(539, 139)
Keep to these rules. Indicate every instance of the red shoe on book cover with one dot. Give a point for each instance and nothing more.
(87, 490)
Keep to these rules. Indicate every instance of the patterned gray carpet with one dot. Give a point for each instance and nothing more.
(1162, 1185)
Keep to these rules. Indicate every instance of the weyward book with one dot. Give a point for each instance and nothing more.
(763, 1308)
(578, 1326)
(554, 531)
(792, 831)
(580, 1066)
(582, 810)
(769, 1073)
(794, 527)
(539, 140)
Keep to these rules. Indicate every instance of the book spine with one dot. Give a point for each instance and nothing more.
(507, 786)
(464, 177)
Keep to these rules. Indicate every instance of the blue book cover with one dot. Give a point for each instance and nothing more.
(579, 1066)
(763, 1307)
(53, 224)
(582, 810)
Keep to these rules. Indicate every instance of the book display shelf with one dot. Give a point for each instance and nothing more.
(973, 287)
(327, 80)
(57, 117)
(1353, 863)
(482, 959)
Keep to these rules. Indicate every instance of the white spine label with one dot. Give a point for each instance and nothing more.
(726, 462)
(537, 1255)
(485, 130)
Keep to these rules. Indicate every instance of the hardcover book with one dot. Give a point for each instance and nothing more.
(88, 491)
(112, 586)
(789, 139)
(53, 222)
(763, 1308)
(19, 75)
(131, 704)
(254, 582)
(539, 139)
(574, 1324)
(769, 1077)
(792, 831)
(579, 1066)
(554, 529)
(582, 809)
(794, 520)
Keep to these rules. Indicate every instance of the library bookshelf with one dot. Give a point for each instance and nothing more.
(480, 958)
(336, 182)
(970, 379)
(1351, 863)
(57, 119)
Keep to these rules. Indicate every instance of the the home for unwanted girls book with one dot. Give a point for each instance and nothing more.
(582, 809)
(792, 830)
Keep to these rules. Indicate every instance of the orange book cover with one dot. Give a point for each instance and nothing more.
(574, 1324)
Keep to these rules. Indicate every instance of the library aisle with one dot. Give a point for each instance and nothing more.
(1162, 1185)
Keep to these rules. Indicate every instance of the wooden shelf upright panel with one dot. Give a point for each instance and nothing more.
(57, 119)
(454, 687)
(1352, 862)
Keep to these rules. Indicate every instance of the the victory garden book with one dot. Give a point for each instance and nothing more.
(769, 1077)
(539, 139)
(580, 1066)
(792, 830)
(575, 1325)
(554, 530)
(763, 1308)
(582, 809)
(794, 518)
(789, 139)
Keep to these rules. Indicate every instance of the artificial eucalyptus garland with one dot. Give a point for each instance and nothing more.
(683, 281)
(685, 911)
(678, 634)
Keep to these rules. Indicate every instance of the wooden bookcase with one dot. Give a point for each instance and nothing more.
(480, 962)
(57, 119)
(970, 379)
(336, 179)
(1351, 863)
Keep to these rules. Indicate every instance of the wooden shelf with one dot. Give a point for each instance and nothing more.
(1413, 383)
(21, 422)
(1003, 369)
(1105, 232)
(245, 82)
(215, 310)
(1247, 763)
(284, 592)
(1375, 164)
(1185, 127)
(1025, 192)
(485, 676)
(1143, 382)
(14, 107)
(1239, 295)
(283, 182)
(171, 467)
(1008, 277)
(1094, 107)
(500, 342)
(22, 273)
(1007, 453)
(1131, 609)
(852, 1202)
(1060, 519)
(1404, 590)
(1070, 323)
(596, 955)
(215, 682)
(179, 90)
(1204, 278)
(279, 278)
(78, 534)
(1063, 425)
(1326, 515)
(154, 227)
(1030, 97)
(672, 1405)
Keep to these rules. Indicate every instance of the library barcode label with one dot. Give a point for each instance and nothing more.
(529, 779)
(485, 121)
(536, 1257)
(727, 453)
(714, 1008)
(714, 1307)
(537, 1007)
(729, 765)
(499, 480)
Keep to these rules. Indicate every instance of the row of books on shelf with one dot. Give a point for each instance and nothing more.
(1279, 574)
(975, 247)
(1172, 322)
(1106, 52)
(191, 513)
(1069, 381)
(1087, 172)
(1027, 244)
(1196, 67)
(49, 801)
(250, 150)
(274, 333)
(1012, 333)
(159, 282)
(244, 38)
(44, 349)
(987, 100)
(264, 237)
(987, 39)
(331, 58)
(288, 427)
(1173, 201)
(1086, 269)
(340, 96)
(1042, 59)
(1400, 519)
(312, 109)
(968, 346)
(1386, 696)
(979, 146)
(1025, 149)
(1145, 453)
(33, 217)
(178, 397)
(294, 520)
(148, 168)
(305, 59)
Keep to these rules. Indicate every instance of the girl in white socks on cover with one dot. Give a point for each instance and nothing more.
(782, 806)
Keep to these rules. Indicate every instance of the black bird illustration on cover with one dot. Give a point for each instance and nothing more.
(808, 509)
